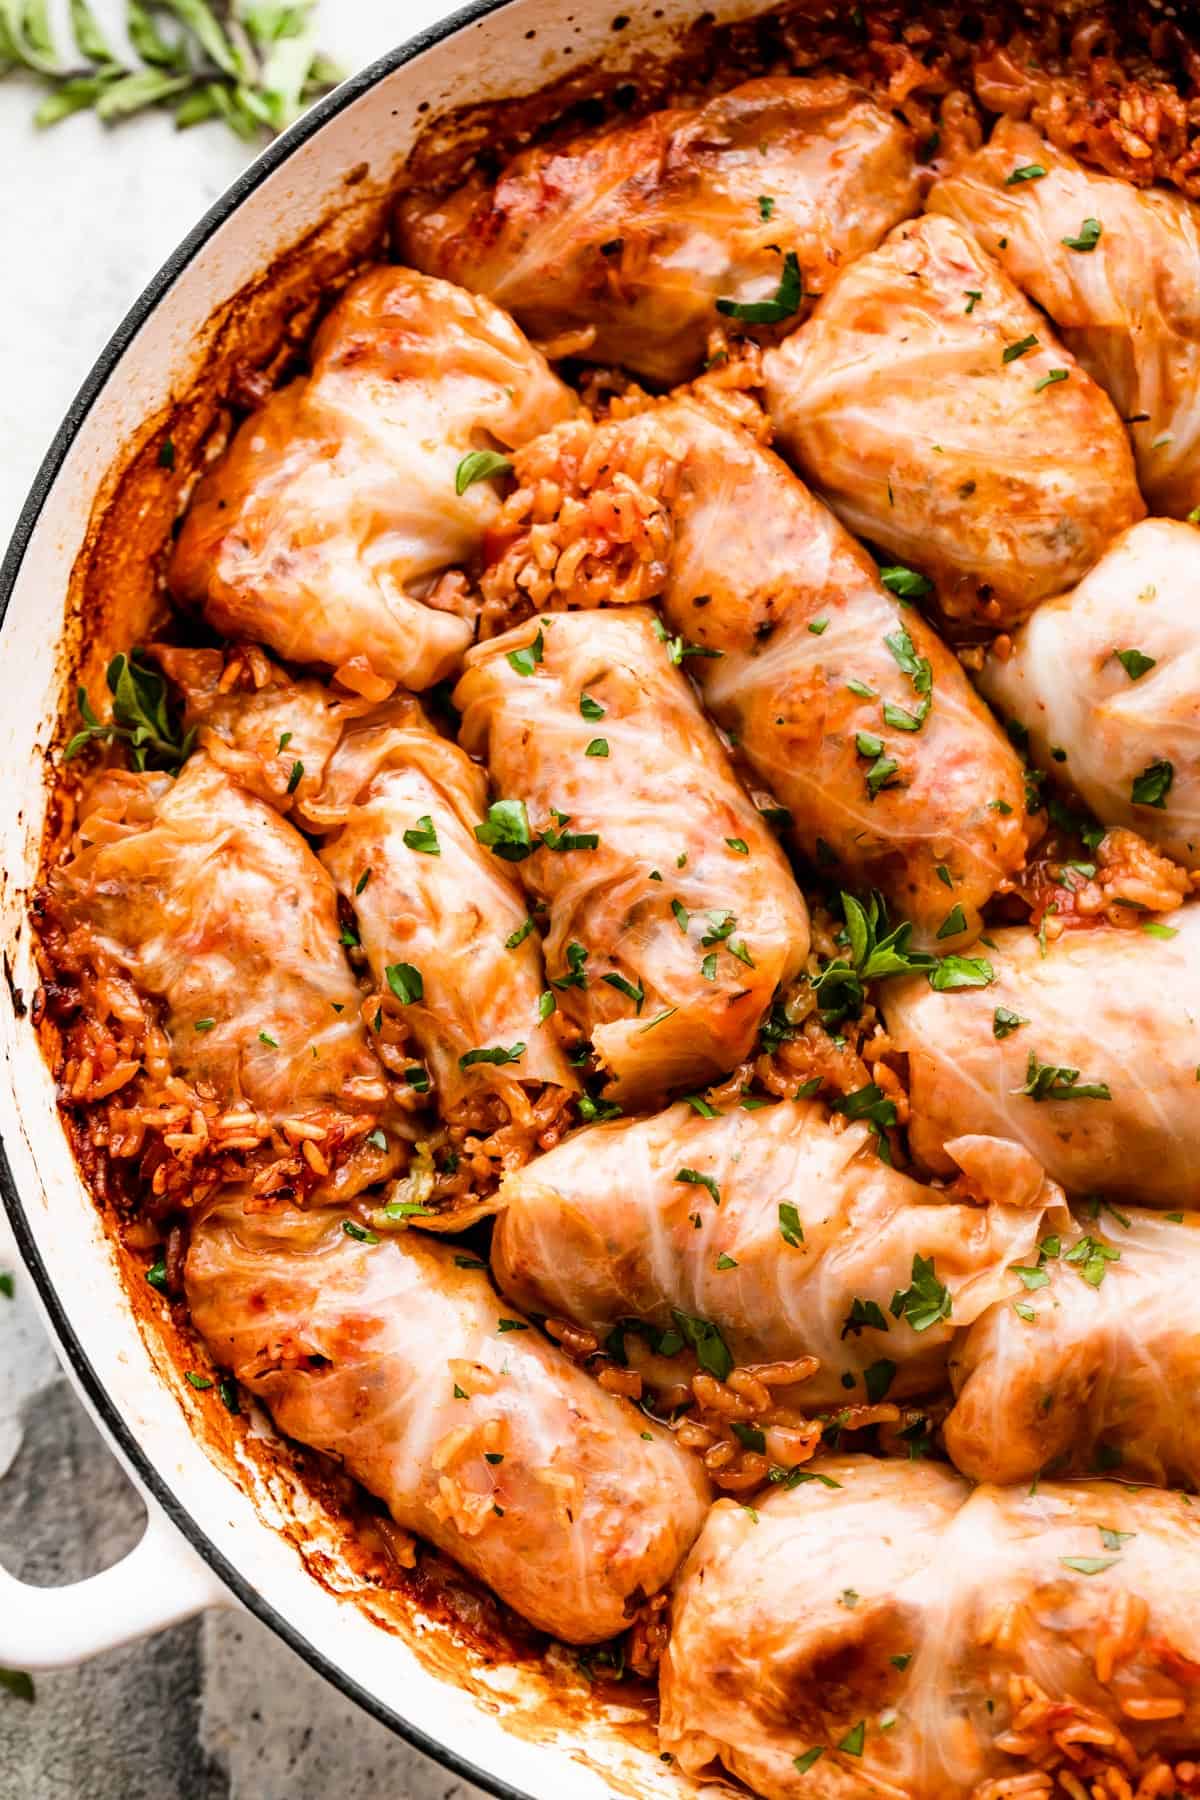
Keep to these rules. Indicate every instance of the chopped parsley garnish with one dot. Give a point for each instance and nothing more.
(790, 1228)
(902, 720)
(575, 977)
(769, 312)
(1044, 1081)
(700, 1105)
(204, 1025)
(200, 1382)
(881, 774)
(559, 838)
(406, 982)
(680, 914)
(749, 1436)
(902, 1661)
(505, 830)
(972, 296)
(359, 1233)
(1153, 929)
(156, 1275)
(590, 709)
(725, 1262)
(140, 717)
(862, 690)
(227, 1389)
(597, 747)
(1089, 236)
(1088, 1565)
(361, 883)
(1153, 785)
(1134, 663)
(495, 1054)
(422, 837)
(516, 938)
(854, 1739)
(1027, 172)
(546, 1005)
(1048, 380)
(477, 465)
(1013, 351)
(905, 583)
(696, 1179)
(766, 206)
(378, 1138)
(878, 1379)
(636, 994)
(954, 972)
(712, 1352)
(954, 922)
(1091, 1256)
(526, 660)
(864, 1315)
(739, 846)
(818, 626)
(926, 1301)
(264, 1037)
(511, 1325)
(804, 1763)
(1031, 1277)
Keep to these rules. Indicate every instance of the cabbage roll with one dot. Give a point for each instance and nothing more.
(844, 703)
(1095, 1367)
(644, 236)
(1084, 1049)
(886, 1631)
(1105, 681)
(935, 410)
(215, 908)
(673, 915)
(327, 528)
(771, 1225)
(444, 925)
(398, 1358)
(1117, 268)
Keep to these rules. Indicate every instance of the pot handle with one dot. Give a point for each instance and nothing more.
(160, 1582)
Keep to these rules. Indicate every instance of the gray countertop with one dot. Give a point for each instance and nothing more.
(216, 1709)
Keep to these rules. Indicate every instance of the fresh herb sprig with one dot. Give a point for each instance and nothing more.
(252, 63)
(141, 716)
(874, 952)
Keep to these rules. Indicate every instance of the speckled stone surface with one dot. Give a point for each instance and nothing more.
(216, 1709)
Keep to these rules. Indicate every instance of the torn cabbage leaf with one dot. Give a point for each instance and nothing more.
(1109, 674)
(926, 1639)
(1125, 292)
(633, 233)
(669, 935)
(324, 529)
(1099, 1370)
(476, 1433)
(941, 418)
(1112, 1008)
(620, 1222)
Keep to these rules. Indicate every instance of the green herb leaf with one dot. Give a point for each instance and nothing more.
(478, 465)
(505, 830)
(854, 1739)
(140, 717)
(878, 1379)
(495, 1054)
(1005, 1022)
(804, 1763)
(954, 922)
(1012, 352)
(1088, 1565)
(790, 1228)
(1048, 380)
(954, 972)
(1027, 172)
(1134, 663)
(597, 747)
(590, 709)
(695, 1179)
(712, 1352)
(526, 659)
(927, 1301)
(406, 982)
(906, 583)
(766, 206)
(516, 938)
(787, 299)
(17, 1683)
(359, 1233)
(1153, 785)
(636, 994)
(421, 837)
(1044, 1081)
(1089, 236)
(972, 296)
(200, 1382)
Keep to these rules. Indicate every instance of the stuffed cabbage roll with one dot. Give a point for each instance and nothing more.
(216, 909)
(844, 703)
(644, 235)
(444, 925)
(673, 915)
(327, 528)
(1117, 268)
(935, 410)
(1096, 1366)
(885, 1631)
(771, 1225)
(1084, 1049)
(398, 1358)
(1105, 680)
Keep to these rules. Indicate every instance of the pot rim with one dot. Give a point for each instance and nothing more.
(67, 1340)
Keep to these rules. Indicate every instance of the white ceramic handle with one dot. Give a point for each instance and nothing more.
(161, 1581)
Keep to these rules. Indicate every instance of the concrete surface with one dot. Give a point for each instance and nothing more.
(216, 1709)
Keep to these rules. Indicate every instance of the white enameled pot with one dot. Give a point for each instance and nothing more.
(221, 1532)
